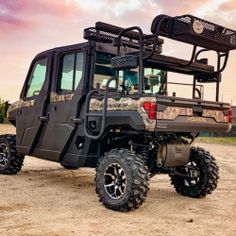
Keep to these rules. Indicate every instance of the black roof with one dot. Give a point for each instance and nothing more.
(67, 47)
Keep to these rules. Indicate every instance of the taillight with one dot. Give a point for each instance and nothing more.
(151, 109)
(230, 115)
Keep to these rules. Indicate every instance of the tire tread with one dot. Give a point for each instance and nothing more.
(15, 160)
(140, 185)
(211, 175)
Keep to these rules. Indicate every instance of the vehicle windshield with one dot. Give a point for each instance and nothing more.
(154, 81)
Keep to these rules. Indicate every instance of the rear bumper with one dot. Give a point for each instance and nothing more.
(191, 115)
(183, 124)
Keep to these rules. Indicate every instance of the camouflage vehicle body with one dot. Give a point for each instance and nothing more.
(70, 112)
(170, 116)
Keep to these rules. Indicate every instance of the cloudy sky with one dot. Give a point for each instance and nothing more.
(28, 27)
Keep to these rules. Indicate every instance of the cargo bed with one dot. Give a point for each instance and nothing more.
(191, 115)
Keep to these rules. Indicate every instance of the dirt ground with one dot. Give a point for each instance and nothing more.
(45, 199)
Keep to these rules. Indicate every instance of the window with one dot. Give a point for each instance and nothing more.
(154, 80)
(71, 72)
(78, 68)
(67, 73)
(103, 70)
(37, 78)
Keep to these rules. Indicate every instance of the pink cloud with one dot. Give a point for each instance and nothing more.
(228, 6)
(52, 7)
(11, 20)
(175, 8)
(9, 23)
(27, 14)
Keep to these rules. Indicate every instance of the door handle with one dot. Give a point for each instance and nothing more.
(43, 118)
(76, 120)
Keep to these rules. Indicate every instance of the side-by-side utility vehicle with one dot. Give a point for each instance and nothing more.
(106, 103)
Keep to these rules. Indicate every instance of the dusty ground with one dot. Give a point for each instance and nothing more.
(45, 199)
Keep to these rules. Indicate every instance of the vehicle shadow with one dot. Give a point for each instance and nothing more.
(82, 180)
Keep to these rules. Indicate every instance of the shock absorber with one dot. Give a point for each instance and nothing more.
(140, 149)
(148, 155)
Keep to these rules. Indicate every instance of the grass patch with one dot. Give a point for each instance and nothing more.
(218, 140)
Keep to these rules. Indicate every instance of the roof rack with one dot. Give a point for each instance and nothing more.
(196, 31)
(201, 34)
(107, 33)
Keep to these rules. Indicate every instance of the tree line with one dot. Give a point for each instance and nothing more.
(2, 110)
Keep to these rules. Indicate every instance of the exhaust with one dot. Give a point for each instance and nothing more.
(173, 154)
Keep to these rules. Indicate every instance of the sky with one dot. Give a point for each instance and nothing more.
(28, 27)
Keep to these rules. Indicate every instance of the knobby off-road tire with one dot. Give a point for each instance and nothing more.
(208, 175)
(121, 180)
(10, 161)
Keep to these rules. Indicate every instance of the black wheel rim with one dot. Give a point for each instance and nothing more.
(115, 181)
(192, 174)
(4, 153)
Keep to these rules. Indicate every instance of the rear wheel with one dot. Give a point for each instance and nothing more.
(10, 161)
(121, 180)
(199, 177)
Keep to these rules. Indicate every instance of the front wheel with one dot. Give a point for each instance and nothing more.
(10, 161)
(199, 177)
(121, 180)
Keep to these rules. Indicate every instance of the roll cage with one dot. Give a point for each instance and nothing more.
(203, 35)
